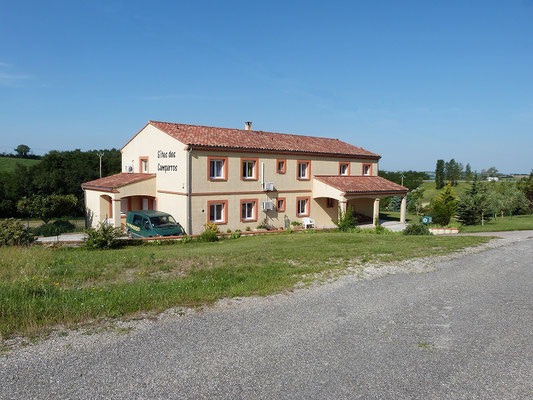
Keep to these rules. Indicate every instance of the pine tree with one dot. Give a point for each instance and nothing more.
(468, 172)
(444, 206)
(439, 174)
(474, 206)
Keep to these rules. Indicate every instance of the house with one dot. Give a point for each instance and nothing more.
(238, 178)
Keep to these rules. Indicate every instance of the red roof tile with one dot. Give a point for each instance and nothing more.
(361, 184)
(241, 139)
(116, 181)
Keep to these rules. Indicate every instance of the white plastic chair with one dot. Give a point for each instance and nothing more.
(308, 222)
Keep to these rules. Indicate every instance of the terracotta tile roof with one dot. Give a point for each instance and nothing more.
(115, 181)
(241, 139)
(361, 184)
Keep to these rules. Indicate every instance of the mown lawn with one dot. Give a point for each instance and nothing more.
(430, 192)
(8, 164)
(516, 223)
(41, 287)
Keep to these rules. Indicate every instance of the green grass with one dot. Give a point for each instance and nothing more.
(431, 192)
(41, 287)
(7, 164)
(516, 223)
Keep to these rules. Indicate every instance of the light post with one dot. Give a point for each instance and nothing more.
(100, 154)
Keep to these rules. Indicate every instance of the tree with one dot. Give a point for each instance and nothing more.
(439, 174)
(468, 173)
(22, 150)
(411, 179)
(444, 206)
(492, 171)
(473, 206)
(526, 186)
(514, 201)
(49, 207)
(414, 200)
(453, 171)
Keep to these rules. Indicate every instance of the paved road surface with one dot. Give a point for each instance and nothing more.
(462, 332)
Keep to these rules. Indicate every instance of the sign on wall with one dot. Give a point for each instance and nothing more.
(166, 167)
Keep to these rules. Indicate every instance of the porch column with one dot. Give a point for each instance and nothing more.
(376, 212)
(403, 209)
(116, 213)
(343, 205)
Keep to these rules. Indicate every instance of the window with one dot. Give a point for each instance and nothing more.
(344, 169)
(137, 220)
(304, 170)
(217, 168)
(143, 165)
(249, 168)
(280, 204)
(302, 206)
(249, 210)
(329, 202)
(281, 166)
(217, 211)
(367, 169)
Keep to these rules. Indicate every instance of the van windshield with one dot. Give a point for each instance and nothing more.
(163, 220)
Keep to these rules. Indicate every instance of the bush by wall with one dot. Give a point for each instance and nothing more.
(416, 228)
(104, 237)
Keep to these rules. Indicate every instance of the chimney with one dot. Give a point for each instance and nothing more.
(248, 125)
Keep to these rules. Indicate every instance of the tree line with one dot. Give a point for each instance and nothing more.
(58, 173)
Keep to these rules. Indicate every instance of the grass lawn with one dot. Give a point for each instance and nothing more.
(7, 164)
(516, 223)
(42, 287)
(431, 192)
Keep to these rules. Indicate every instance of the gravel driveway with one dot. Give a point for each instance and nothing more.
(461, 331)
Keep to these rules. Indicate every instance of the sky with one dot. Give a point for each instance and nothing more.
(414, 81)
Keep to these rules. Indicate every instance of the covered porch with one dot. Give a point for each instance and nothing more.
(362, 194)
(109, 199)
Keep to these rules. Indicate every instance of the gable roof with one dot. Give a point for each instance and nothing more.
(207, 137)
(362, 184)
(113, 182)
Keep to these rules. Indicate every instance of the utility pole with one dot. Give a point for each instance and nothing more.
(100, 154)
(402, 176)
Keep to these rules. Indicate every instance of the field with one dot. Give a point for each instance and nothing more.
(7, 164)
(516, 223)
(431, 192)
(40, 287)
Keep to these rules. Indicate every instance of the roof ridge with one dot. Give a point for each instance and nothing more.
(253, 131)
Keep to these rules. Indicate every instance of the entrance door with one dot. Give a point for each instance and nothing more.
(145, 204)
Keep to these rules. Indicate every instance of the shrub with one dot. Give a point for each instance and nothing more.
(208, 236)
(211, 226)
(296, 223)
(186, 239)
(228, 231)
(417, 228)
(444, 206)
(235, 235)
(248, 229)
(14, 233)
(54, 229)
(346, 220)
(104, 237)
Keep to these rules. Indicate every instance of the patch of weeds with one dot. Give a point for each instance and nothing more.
(425, 345)
(123, 330)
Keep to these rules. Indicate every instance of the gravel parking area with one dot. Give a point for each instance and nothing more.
(450, 327)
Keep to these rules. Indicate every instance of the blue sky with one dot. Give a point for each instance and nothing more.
(411, 80)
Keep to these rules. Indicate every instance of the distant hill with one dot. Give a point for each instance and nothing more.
(7, 164)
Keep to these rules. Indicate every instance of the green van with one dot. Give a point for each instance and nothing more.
(151, 223)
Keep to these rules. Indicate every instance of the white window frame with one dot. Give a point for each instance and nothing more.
(344, 169)
(305, 209)
(300, 164)
(281, 170)
(250, 209)
(213, 168)
(246, 169)
(215, 207)
(367, 168)
(144, 166)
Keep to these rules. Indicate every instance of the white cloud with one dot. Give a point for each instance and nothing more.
(8, 78)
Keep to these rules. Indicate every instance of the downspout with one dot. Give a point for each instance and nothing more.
(189, 191)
